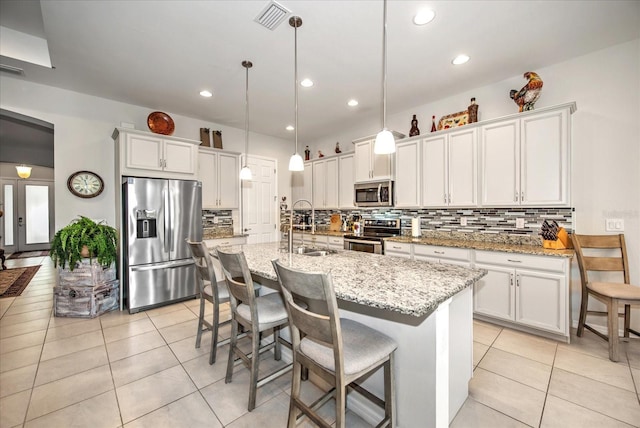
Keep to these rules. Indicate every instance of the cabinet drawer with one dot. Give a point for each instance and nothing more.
(335, 240)
(442, 252)
(397, 247)
(514, 260)
(218, 242)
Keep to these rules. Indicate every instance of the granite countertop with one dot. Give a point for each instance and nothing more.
(321, 232)
(208, 234)
(409, 287)
(506, 247)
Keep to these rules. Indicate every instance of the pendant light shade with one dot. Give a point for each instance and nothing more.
(245, 172)
(296, 163)
(23, 171)
(385, 143)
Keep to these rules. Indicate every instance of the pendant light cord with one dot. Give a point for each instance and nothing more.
(295, 60)
(384, 66)
(246, 117)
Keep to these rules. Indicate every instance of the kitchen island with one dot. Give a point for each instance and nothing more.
(425, 307)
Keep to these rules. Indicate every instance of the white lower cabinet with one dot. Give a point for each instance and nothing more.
(448, 255)
(398, 249)
(335, 242)
(526, 290)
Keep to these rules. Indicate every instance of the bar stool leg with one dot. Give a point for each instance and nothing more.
(612, 317)
(255, 360)
(232, 350)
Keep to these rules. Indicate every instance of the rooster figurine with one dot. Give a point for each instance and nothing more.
(528, 95)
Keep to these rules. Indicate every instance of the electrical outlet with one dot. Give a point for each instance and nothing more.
(215, 220)
(463, 221)
(519, 223)
(614, 225)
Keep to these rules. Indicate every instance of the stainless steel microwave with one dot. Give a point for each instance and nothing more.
(374, 194)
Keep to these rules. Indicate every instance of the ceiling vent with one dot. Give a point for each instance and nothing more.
(272, 15)
(13, 70)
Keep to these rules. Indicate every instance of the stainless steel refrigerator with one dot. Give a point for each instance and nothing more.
(159, 215)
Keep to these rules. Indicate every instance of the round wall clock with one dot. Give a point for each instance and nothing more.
(85, 184)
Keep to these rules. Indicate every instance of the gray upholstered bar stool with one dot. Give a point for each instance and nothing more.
(256, 315)
(211, 290)
(338, 350)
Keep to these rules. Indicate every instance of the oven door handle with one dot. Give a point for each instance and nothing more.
(359, 241)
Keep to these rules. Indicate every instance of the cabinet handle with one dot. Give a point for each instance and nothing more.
(511, 279)
(521, 196)
(517, 280)
(396, 248)
(514, 261)
(515, 198)
(439, 252)
(445, 198)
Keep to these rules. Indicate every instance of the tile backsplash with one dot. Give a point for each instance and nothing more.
(478, 220)
(217, 222)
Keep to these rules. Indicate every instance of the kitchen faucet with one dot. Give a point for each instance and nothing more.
(313, 223)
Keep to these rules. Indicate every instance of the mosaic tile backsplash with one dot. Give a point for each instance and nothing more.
(479, 220)
(217, 222)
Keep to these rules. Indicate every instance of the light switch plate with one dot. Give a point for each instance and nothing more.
(519, 223)
(614, 225)
(463, 221)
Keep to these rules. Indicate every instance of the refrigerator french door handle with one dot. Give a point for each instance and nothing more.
(167, 220)
(166, 265)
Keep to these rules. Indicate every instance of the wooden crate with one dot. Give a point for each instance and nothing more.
(86, 273)
(85, 301)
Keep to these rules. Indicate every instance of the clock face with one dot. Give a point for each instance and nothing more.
(85, 184)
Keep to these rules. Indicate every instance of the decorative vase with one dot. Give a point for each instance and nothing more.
(414, 127)
(473, 111)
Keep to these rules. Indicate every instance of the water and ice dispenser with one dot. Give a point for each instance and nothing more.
(146, 222)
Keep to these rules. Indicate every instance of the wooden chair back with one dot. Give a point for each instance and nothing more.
(588, 262)
(238, 277)
(203, 263)
(319, 318)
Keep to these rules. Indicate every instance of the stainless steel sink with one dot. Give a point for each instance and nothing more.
(314, 252)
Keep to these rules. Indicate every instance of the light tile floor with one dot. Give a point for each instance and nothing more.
(142, 370)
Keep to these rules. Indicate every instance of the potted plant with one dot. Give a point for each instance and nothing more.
(84, 238)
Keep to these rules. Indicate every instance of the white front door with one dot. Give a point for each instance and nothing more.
(259, 201)
(27, 223)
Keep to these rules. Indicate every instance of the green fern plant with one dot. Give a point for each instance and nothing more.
(99, 238)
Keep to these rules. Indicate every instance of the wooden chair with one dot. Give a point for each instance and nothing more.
(211, 290)
(612, 294)
(255, 315)
(340, 351)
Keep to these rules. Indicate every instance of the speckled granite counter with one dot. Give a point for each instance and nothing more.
(485, 245)
(319, 232)
(215, 234)
(409, 287)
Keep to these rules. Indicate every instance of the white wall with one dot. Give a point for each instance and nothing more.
(83, 125)
(606, 137)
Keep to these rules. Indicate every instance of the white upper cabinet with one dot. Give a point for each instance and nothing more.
(407, 185)
(449, 173)
(302, 183)
(219, 173)
(325, 183)
(346, 181)
(525, 161)
(152, 155)
(370, 166)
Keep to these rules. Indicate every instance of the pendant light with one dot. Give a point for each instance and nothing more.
(385, 144)
(296, 163)
(245, 172)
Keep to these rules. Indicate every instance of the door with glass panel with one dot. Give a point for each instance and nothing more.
(28, 220)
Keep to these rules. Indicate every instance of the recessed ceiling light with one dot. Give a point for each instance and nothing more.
(206, 94)
(290, 128)
(423, 17)
(460, 59)
(307, 83)
(352, 103)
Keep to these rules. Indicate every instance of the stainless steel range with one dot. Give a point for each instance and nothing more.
(374, 232)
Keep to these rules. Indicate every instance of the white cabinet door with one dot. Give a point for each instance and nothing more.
(500, 160)
(335, 242)
(331, 183)
(370, 166)
(228, 181)
(180, 157)
(493, 294)
(544, 159)
(363, 161)
(302, 184)
(462, 171)
(208, 175)
(540, 300)
(346, 181)
(434, 171)
(398, 249)
(407, 186)
(143, 152)
(319, 172)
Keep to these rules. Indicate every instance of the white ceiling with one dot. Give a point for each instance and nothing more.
(161, 54)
